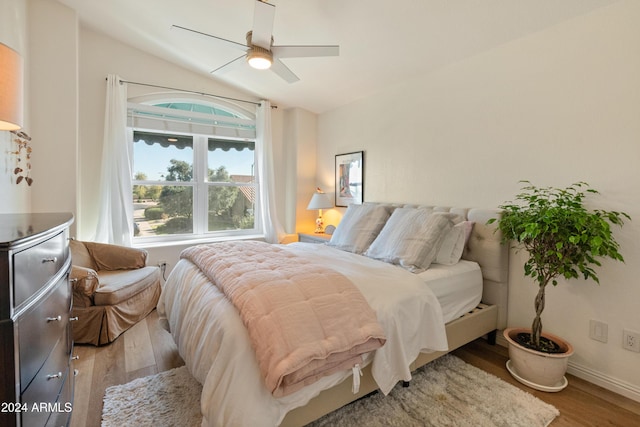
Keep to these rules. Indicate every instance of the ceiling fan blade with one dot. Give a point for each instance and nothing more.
(220, 39)
(228, 66)
(285, 73)
(263, 16)
(305, 51)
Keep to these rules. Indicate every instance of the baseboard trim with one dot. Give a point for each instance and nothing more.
(615, 385)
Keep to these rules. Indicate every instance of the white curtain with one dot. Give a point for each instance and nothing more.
(115, 221)
(273, 231)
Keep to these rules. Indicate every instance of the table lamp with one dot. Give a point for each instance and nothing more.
(319, 201)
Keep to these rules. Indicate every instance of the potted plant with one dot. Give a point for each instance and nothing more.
(563, 240)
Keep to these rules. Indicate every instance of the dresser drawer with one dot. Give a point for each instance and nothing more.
(46, 387)
(40, 328)
(33, 267)
(62, 409)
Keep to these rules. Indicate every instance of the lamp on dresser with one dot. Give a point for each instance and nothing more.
(319, 201)
(10, 89)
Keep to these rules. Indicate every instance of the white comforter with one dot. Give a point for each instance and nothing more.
(216, 349)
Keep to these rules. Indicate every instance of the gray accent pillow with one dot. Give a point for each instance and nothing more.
(359, 227)
(411, 238)
(453, 244)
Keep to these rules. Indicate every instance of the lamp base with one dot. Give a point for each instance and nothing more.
(319, 225)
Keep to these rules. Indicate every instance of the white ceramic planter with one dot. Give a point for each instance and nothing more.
(536, 369)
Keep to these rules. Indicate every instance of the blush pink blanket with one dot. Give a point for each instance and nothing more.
(304, 320)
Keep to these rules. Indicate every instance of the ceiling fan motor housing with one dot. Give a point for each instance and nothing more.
(257, 56)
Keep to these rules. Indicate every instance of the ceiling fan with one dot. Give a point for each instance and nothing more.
(260, 52)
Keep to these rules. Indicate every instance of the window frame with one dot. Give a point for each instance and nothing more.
(199, 183)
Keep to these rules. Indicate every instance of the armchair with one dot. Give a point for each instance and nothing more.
(113, 289)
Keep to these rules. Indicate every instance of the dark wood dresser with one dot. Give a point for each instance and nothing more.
(36, 385)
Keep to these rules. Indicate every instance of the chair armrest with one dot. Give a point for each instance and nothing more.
(114, 257)
(84, 283)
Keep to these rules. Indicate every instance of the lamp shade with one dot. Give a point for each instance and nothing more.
(10, 89)
(319, 201)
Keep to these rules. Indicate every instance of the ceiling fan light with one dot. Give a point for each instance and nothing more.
(259, 58)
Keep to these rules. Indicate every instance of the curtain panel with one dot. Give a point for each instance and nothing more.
(115, 221)
(273, 230)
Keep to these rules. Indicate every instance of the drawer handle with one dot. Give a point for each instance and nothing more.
(76, 357)
(54, 319)
(54, 376)
(73, 319)
(53, 260)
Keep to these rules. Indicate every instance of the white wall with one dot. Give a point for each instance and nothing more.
(301, 165)
(53, 79)
(13, 33)
(556, 107)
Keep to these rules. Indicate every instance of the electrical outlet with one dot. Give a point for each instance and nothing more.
(162, 264)
(598, 331)
(631, 340)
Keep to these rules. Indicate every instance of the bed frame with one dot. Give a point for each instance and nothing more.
(485, 248)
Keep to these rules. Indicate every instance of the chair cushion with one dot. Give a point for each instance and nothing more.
(114, 257)
(120, 285)
(80, 256)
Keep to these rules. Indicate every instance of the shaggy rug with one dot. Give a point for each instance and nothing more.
(446, 392)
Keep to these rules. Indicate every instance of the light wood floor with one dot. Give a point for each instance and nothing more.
(147, 349)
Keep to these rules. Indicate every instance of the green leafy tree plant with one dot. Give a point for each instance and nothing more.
(177, 201)
(562, 237)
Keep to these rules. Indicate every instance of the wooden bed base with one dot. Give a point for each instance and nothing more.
(475, 324)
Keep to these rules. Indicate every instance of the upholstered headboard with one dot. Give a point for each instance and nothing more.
(485, 248)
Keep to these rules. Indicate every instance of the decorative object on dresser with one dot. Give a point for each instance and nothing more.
(35, 304)
(349, 178)
(319, 201)
(113, 289)
(22, 155)
(563, 240)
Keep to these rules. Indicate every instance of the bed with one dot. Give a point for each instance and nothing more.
(425, 314)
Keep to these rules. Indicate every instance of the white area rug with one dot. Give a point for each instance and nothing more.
(446, 392)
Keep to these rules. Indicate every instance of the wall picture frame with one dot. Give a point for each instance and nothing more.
(349, 178)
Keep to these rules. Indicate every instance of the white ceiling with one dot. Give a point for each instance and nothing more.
(382, 42)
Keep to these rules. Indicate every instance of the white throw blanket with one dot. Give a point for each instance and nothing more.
(216, 347)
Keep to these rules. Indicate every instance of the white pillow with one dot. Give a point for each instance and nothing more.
(411, 238)
(453, 244)
(359, 227)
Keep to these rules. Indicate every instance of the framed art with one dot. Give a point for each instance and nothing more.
(349, 178)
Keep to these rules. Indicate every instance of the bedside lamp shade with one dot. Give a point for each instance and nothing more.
(319, 201)
(10, 89)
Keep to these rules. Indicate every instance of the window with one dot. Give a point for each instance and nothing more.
(193, 171)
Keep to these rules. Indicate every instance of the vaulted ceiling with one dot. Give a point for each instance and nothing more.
(382, 42)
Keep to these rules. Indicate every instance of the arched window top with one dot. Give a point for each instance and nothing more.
(198, 108)
(192, 102)
(192, 114)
